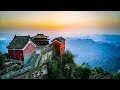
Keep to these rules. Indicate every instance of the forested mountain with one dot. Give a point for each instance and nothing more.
(103, 52)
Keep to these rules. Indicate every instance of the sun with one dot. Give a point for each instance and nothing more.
(61, 20)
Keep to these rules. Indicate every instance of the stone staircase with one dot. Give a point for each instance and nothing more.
(34, 59)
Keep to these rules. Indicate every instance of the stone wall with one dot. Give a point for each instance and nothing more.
(46, 54)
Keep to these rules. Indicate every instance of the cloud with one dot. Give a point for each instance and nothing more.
(2, 39)
(59, 19)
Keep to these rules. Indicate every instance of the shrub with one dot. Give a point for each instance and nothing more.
(2, 60)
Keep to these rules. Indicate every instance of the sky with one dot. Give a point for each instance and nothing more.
(60, 23)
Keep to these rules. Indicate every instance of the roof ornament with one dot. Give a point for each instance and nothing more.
(28, 35)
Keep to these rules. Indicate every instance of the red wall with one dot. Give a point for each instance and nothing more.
(62, 47)
(30, 48)
(59, 46)
(17, 54)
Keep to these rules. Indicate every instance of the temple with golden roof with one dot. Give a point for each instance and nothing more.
(41, 40)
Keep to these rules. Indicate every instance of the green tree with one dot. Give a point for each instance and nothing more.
(82, 72)
(61, 68)
(2, 60)
(68, 64)
(54, 71)
(54, 68)
(99, 73)
(7, 55)
(78, 73)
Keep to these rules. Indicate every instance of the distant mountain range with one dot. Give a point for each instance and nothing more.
(5, 39)
(96, 50)
(3, 44)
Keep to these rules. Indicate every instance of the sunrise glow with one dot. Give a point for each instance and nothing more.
(57, 20)
(60, 22)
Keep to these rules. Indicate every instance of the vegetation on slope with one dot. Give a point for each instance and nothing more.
(3, 59)
(67, 69)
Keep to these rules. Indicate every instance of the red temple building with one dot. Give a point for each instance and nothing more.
(58, 45)
(21, 48)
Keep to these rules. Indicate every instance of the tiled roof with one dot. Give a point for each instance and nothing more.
(60, 39)
(18, 42)
(40, 36)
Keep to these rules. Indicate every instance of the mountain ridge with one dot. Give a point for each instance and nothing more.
(95, 53)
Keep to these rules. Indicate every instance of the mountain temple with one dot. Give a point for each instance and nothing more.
(21, 48)
(41, 40)
(58, 46)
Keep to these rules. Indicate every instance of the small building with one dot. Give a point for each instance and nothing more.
(58, 45)
(21, 48)
(41, 40)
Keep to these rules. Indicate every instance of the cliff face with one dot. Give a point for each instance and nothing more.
(36, 73)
